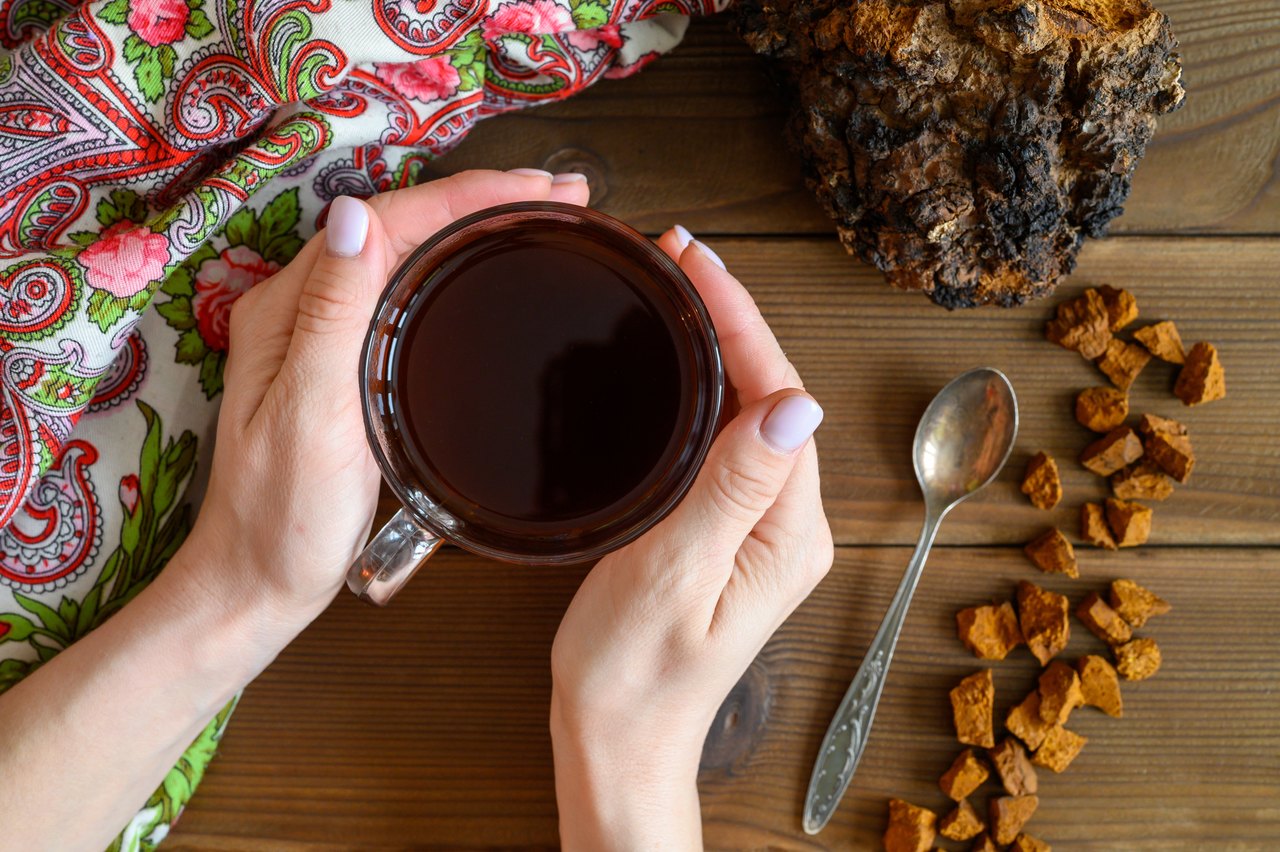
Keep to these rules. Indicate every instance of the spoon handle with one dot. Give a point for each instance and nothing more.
(851, 726)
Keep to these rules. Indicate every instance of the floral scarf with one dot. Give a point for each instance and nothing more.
(171, 154)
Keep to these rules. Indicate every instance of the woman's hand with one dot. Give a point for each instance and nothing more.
(661, 630)
(294, 485)
(289, 503)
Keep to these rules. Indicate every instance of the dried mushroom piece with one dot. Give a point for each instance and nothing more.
(966, 774)
(1045, 624)
(990, 632)
(1122, 362)
(1081, 325)
(1138, 659)
(1201, 378)
(911, 828)
(1136, 604)
(1052, 553)
(1130, 522)
(966, 148)
(1093, 526)
(1026, 843)
(1150, 424)
(1041, 483)
(1009, 814)
(1024, 721)
(984, 843)
(1103, 621)
(1143, 481)
(962, 823)
(1102, 409)
(1163, 341)
(971, 705)
(1100, 685)
(1173, 453)
(1059, 689)
(1059, 749)
(1122, 308)
(1017, 775)
(1112, 451)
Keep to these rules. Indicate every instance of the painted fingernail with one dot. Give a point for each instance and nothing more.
(791, 423)
(347, 228)
(568, 177)
(712, 256)
(530, 172)
(683, 237)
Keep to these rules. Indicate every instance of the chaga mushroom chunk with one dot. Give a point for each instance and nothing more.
(967, 147)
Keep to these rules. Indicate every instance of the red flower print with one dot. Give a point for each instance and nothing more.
(158, 22)
(129, 493)
(426, 80)
(530, 16)
(219, 282)
(4, 628)
(125, 259)
(589, 40)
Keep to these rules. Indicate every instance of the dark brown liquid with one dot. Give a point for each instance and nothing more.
(541, 382)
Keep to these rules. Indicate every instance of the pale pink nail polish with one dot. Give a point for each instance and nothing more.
(715, 258)
(568, 177)
(347, 227)
(530, 173)
(683, 237)
(791, 423)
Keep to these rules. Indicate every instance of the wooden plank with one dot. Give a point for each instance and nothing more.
(425, 724)
(874, 357)
(696, 137)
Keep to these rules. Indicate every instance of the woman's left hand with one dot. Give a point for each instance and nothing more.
(294, 486)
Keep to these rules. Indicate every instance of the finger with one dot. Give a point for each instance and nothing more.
(674, 240)
(571, 188)
(261, 327)
(413, 214)
(336, 300)
(753, 360)
(747, 468)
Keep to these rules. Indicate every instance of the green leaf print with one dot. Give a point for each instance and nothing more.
(115, 12)
(149, 75)
(191, 348)
(242, 229)
(589, 14)
(105, 309)
(12, 671)
(121, 205)
(16, 628)
(178, 314)
(198, 24)
(54, 626)
(135, 48)
(211, 373)
(279, 217)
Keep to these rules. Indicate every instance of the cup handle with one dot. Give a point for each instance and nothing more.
(387, 563)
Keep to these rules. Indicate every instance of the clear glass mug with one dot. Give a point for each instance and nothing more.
(425, 520)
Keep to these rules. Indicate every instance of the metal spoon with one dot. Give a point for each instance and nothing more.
(962, 442)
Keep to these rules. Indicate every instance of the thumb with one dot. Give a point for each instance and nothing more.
(745, 471)
(338, 297)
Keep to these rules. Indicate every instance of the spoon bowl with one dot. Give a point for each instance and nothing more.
(962, 442)
(965, 436)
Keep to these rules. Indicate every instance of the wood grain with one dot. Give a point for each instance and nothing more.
(697, 137)
(424, 725)
(874, 357)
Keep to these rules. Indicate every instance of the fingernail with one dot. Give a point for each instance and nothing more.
(568, 177)
(791, 423)
(530, 173)
(715, 258)
(347, 228)
(683, 237)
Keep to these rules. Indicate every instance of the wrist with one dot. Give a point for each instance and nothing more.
(617, 791)
(238, 623)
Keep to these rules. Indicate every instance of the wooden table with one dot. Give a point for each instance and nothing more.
(424, 725)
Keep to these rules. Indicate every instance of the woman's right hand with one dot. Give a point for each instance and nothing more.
(662, 629)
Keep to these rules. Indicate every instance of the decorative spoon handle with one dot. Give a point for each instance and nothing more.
(851, 726)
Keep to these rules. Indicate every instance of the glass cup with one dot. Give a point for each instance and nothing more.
(426, 519)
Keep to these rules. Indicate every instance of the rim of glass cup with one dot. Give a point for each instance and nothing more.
(441, 245)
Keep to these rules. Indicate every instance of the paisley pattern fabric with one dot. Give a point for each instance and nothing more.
(158, 158)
